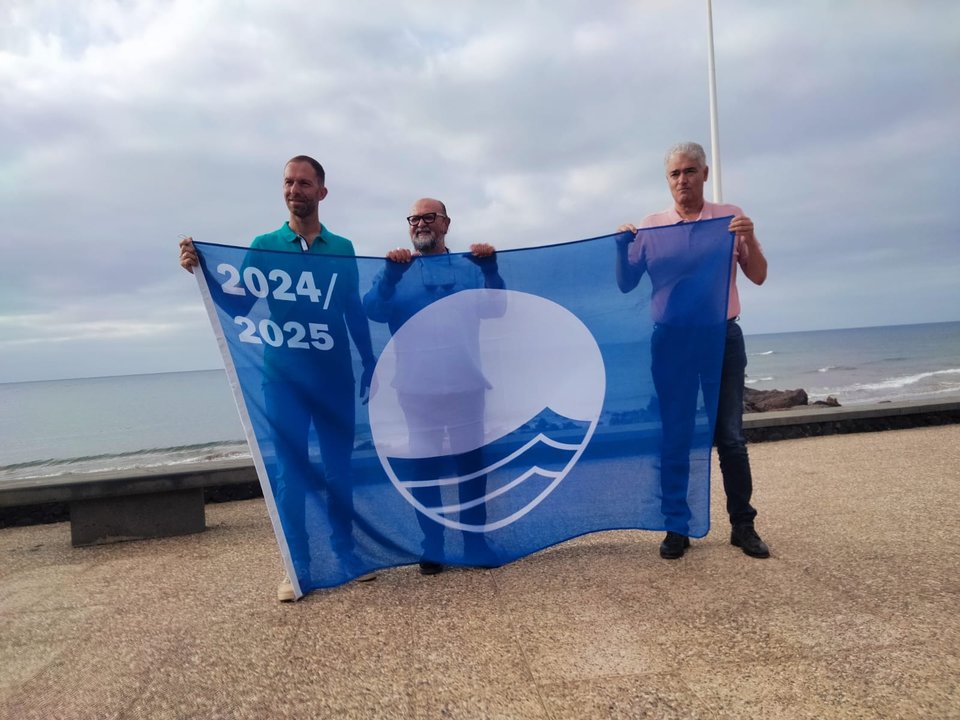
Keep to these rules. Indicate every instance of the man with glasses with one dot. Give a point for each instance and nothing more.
(686, 172)
(439, 383)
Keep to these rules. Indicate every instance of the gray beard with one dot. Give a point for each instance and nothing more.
(424, 243)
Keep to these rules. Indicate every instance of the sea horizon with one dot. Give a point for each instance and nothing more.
(220, 367)
(138, 421)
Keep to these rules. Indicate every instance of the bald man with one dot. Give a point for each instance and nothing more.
(440, 384)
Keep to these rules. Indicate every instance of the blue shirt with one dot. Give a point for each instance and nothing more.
(444, 354)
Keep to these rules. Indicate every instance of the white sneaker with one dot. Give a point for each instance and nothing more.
(285, 591)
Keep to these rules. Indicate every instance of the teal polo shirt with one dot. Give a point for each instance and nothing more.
(282, 362)
(286, 240)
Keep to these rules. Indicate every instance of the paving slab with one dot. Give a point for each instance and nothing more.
(855, 615)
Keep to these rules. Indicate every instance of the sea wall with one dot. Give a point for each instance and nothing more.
(813, 420)
(239, 480)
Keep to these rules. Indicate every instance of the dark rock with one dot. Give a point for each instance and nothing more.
(831, 401)
(766, 400)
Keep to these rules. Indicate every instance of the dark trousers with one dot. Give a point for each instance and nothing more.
(680, 370)
(458, 418)
(728, 435)
(292, 408)
(468, 490)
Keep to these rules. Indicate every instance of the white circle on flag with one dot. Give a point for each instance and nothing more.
(527, 357)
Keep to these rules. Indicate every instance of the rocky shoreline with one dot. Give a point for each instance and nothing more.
(769, 400)
(802, 424)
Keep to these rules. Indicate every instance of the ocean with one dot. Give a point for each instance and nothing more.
(131, 422)
(859, 366)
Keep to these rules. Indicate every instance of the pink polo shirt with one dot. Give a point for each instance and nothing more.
(709, 212)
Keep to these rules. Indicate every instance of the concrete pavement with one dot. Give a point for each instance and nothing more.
(854, 616)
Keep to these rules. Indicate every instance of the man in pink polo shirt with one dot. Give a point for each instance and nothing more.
(687, 171)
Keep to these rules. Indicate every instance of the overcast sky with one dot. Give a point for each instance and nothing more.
(124, 124)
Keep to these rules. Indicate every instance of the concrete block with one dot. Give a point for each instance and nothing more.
(133, 517)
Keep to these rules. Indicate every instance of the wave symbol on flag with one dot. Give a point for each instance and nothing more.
(488, 408)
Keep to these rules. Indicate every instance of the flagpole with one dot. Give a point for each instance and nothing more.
(714, 130)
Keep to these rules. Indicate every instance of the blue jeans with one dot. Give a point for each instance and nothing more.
(679, 373)
(728, 433)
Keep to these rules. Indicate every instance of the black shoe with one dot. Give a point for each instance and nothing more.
(673, 546)
(430, 568)
(745, 537)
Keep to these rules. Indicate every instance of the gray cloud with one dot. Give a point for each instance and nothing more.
(128, 123)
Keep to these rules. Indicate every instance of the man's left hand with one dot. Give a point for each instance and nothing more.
(482, 250)
(484, 257)
(741, 226)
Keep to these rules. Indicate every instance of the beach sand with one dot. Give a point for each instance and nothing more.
(854, 616)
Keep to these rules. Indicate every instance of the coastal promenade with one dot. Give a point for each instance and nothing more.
(854, 616)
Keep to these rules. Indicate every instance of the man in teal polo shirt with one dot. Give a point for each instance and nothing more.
(300, 388)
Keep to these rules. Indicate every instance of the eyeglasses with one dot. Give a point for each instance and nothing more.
(428, 218)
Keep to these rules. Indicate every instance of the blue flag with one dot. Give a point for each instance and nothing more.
(514, 402)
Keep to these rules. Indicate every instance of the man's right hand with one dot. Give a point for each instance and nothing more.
(627, 232)
(188, 254)
(398, 262)
(400, 255)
